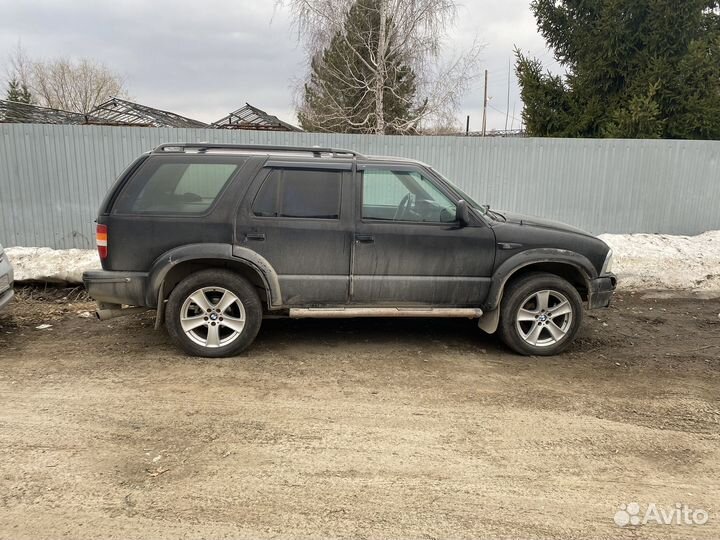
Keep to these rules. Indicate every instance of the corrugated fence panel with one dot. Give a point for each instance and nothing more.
(53, 178)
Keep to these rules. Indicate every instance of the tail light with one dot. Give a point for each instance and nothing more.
(102, 241)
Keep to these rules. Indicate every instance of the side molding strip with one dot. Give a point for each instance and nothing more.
(340, 313)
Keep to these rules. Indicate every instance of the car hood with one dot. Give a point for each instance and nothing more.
(533, 221)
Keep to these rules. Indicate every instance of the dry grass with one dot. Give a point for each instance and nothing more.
(49, 293)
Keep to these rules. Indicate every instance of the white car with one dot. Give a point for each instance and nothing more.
(6, 280)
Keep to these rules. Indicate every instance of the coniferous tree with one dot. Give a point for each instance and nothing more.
(634, 69)
(17, 95)
(18, 92)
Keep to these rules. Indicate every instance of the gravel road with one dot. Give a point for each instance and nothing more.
(362, 429)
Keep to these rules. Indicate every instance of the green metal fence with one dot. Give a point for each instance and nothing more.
(52, 178)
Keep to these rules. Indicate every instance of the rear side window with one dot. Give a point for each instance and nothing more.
(299, 193)
(176, 185)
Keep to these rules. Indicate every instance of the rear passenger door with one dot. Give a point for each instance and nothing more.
(296, 216)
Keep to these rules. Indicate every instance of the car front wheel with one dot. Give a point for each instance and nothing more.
(540, 314)
(213, 313)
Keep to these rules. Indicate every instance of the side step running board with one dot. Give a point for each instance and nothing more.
(333, 313)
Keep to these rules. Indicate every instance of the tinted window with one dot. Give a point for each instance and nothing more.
(175, 186)
(404, 196)
(299, 193)
(267, 201)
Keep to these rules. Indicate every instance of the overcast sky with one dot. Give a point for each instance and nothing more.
(205, 59)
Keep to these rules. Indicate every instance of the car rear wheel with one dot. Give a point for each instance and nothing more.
(540, 314)
(213, 313)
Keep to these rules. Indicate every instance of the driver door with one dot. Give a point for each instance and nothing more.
(409, 247)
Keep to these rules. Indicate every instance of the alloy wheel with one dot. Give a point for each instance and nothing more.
(212, 317)
(544, 318)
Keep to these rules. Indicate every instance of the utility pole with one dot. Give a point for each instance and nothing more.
(467, 126)
(507, 114)
(484, 124)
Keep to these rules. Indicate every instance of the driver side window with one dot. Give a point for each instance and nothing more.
(404, 196)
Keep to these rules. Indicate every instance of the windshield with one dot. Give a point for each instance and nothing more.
(483, 208)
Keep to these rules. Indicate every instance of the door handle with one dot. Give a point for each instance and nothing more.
(364, 238)
(255, 236)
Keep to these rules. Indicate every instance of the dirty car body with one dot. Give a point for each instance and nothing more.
(216, 237)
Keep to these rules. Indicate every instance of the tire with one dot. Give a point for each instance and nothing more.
(540, 315)
(213, 314)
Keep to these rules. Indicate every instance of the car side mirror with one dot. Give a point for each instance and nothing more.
(463, 212)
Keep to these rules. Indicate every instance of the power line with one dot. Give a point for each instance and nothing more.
(503, 112)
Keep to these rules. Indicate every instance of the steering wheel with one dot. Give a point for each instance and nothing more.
(403, 206)
(446, 216)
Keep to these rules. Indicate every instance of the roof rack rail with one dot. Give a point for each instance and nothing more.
(204, 147)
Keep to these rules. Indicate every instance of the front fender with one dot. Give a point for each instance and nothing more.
(533, 256)
(198, 252)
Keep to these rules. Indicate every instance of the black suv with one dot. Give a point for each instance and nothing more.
(216, 237)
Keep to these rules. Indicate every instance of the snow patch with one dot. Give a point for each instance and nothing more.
(642, 261)
(46, 265)
(660, 261)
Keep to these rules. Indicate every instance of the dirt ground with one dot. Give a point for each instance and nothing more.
(363, 429)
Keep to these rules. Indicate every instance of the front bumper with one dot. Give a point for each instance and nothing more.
(109, 287)
(5, 298)
(6, 282)
(601, 291)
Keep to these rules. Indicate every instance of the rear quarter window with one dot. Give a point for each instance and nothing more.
(177, 185)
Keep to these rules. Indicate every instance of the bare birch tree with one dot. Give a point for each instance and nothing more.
(18, 66)
(409, 32)
(77, 86)
(62, 83)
